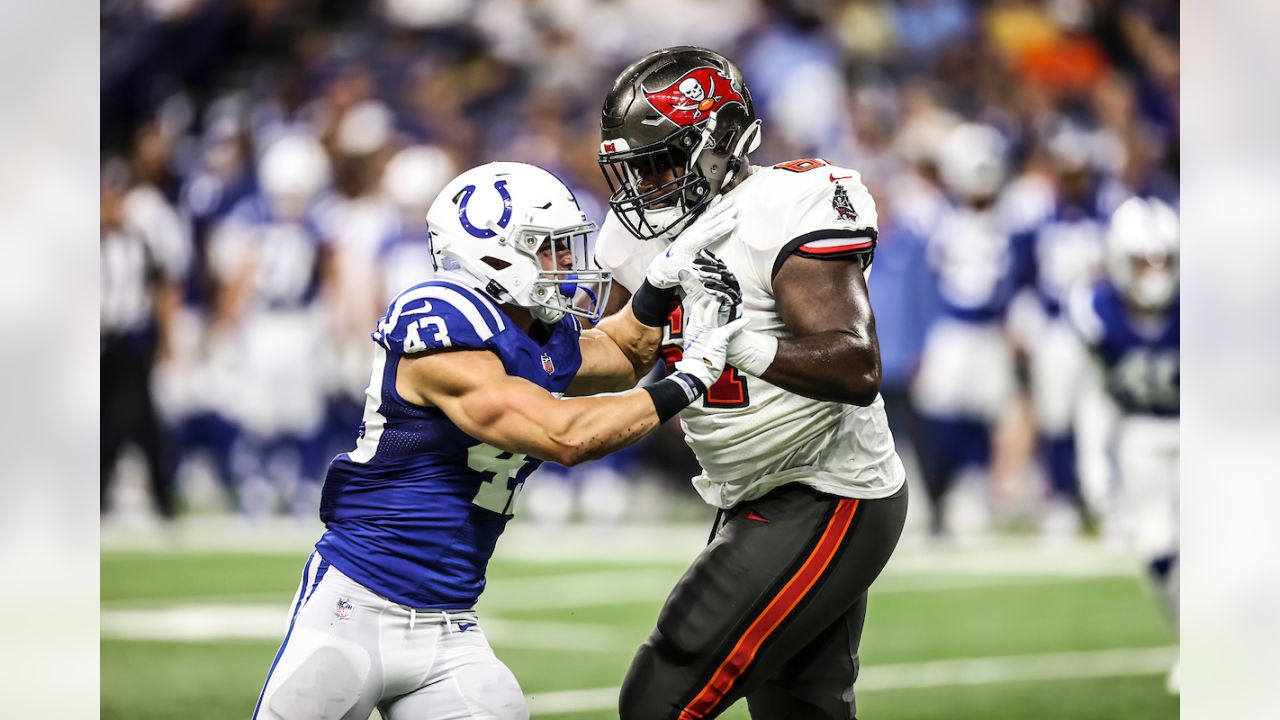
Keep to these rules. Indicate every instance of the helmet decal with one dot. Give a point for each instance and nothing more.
(467, 192)
(691, 98)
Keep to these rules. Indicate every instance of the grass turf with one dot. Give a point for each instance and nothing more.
(150, 680)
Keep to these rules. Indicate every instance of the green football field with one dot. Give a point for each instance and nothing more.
(1001, 631)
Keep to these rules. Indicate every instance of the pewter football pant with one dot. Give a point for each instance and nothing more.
(770, 611)
(347, 651)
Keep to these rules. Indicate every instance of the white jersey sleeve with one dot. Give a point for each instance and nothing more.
(809, 208)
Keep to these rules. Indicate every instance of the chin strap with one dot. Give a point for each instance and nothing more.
(749, 141)
(705, 141)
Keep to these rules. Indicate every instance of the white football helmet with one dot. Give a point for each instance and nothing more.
(493, 220)
(413, 178)
(971, 159)
(1142, 252)
(292, 170)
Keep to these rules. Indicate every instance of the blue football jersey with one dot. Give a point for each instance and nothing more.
(288, 251)
(414, 511)
(1063, 251)
(1140, 362)
(973, 262)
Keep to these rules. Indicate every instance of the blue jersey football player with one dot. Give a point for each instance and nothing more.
(1130, 322)
(464, 401)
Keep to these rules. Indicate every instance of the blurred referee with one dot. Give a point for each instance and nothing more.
(143, 256)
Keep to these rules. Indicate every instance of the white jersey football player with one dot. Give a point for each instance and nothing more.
(966, 378)
(793, 441)
(1058, 252)
(1130, 323)
(272, 259)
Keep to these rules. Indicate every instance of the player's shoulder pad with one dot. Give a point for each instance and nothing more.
(830, 213)
(439, 314)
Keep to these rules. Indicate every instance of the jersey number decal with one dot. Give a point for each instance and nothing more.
(499, 492)
(413, 340)
(1150, 378)
(801, 165)
(728, 391)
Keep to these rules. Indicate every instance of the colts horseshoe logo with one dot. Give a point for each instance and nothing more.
(467, 192)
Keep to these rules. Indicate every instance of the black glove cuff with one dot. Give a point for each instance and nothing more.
(652, 305)
(674, 393)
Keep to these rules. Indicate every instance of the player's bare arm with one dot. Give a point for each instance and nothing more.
(624, 346)
(511, 413)
(475, 391)
(834, 354)
(616, 353)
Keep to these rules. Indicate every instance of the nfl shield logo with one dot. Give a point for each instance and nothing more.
(343, 609)
(547, 364)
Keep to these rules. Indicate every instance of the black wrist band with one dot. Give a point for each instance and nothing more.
(652, 305)
(674, 393)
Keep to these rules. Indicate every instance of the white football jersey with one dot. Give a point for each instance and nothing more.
(751, 436)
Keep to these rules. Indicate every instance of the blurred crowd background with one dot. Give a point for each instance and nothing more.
(267, 165)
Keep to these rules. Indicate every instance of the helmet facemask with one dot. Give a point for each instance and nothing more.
(515, 272)
(1151, 281)
(701, 162)
(648, 203)
(581, 289)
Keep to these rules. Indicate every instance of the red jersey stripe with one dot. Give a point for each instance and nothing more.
(835, 249)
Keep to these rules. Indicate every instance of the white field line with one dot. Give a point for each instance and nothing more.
(633, 544)
(596, 589)
(931, 674)
(206, 622)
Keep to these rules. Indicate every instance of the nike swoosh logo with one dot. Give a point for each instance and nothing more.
(833, 178)
(417, 311)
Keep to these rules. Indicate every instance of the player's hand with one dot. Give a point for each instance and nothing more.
(706, 340)
(712, 276)
(672, 266)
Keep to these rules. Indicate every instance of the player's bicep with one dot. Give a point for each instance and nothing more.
(815, 296)
(474, 390)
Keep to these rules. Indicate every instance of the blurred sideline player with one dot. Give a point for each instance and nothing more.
(463, 403)
(793, 441)
(272, 258)
(1130, 323)
(1061, 250)
(966, 378)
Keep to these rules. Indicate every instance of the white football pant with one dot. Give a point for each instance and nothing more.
(347, 651)
(966, 372)
(1147, 495)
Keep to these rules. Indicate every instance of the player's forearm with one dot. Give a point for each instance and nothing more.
(588, 428)
(593, 427)
(835, 366)
(638, 341)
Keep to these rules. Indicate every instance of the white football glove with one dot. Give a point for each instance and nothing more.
(706, 340)
(668, 269)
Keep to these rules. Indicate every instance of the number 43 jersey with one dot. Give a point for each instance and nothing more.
(414, 511)
(749, 435)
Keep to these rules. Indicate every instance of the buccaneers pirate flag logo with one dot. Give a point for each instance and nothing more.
(690, 99)
(842, 205)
